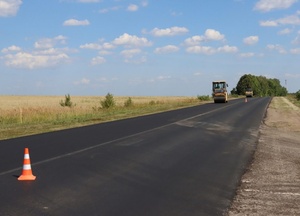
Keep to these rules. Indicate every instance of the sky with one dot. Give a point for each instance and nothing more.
(145, 47)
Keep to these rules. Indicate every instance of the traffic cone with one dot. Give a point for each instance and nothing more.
(246, 100)
(27, 172)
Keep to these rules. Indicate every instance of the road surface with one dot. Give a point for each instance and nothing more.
(182, 162)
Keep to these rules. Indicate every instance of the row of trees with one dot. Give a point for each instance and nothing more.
(260, 85)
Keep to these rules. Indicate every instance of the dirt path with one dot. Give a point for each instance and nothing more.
(271, 186)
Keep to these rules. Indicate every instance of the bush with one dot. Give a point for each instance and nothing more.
(297, 95)
(108, 102)
(128, 102)
(203, 97)
(67, 102)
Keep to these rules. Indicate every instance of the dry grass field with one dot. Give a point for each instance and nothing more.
(25, 115)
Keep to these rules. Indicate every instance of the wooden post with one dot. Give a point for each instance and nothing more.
(21, 115)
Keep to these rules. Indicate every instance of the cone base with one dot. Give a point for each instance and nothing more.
(26, 177)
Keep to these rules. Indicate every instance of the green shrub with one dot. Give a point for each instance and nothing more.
(108, 102)
(67, 102)
(297, 95)
(128, 102)
(203, 97)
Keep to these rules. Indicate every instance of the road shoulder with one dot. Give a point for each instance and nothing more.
(271, 185)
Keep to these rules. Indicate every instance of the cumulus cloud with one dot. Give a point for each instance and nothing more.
(9, 7)
(210, 50)
(98, 60)
(169, 31)
(132, 7)
(201, 50)
(195, 40)
(128, 40)
(288, 20)
(297, 39)
(246, 55)
(295, 51)
(12, 48)
(130, 53)
(83, 81)
(33, 61)
(285, 31)
(211, 34)
(166, 49)
(228, 49)
(93, 46)
(44, 54)
(277, 48)
(251, 40)
(75, 22)
(268, 5)
(46, 43)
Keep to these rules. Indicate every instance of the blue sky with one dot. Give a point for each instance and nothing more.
(145, 47)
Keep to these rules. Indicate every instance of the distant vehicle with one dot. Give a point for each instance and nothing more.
(219, 91)
(249, 92)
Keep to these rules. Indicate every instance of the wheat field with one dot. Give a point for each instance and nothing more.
(25, 115)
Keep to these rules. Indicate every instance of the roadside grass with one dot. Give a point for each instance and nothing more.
(293, 99)
(27, 115)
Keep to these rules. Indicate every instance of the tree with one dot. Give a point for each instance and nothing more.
(260, 85)
(67, 102)
(108, 102)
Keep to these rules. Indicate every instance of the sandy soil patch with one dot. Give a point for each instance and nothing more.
(271, 186)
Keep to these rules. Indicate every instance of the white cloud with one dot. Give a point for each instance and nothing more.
(201, 49)
(98, 60)
(106, 10)
(97, 46)
(93, 46)
(268, 23)
(228, 49)
(144, 3)
(9, 7)
(251, 40)
(75, 22)
(195, 40)
(297, 39)
(285, 31)
(295, 51)
(268, 5)
(130, 53)
(132, 7)
(288, 20)
(210, 50)
(211, 34)
(163, 77)
(246, 55)
(46, 43)
(83, 81)
(12, 48)
(277, 48)
(131, 40)
(166, 49)
(169, 31)
(292, 75)
(33, 61)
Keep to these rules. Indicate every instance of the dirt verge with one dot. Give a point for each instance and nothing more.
(271, 186)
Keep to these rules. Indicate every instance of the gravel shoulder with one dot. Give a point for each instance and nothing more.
(271, 185)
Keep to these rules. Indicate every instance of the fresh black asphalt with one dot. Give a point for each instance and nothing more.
(181, 162)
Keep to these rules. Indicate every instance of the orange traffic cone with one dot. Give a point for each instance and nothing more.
(26, 173)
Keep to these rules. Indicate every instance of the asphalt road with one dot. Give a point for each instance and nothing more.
(182, 162)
